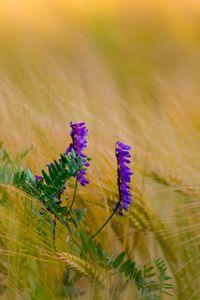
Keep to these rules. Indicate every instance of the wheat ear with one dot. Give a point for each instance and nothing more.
(80, 266)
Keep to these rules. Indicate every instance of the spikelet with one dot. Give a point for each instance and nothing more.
(143, 218)
(139, 215)
(81, 266)
(172, 180)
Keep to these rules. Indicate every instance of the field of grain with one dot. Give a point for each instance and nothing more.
(130, 70)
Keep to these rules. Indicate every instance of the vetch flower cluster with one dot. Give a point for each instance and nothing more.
(123, 179)
(123, 176)
(79, 134)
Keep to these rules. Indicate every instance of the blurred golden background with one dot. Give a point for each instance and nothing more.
(130, 70)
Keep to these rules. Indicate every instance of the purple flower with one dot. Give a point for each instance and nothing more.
(38, 178)
(123, 176)
(79, 134)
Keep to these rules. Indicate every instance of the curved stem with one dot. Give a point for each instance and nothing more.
(54, 227)
(54, 233)
(74, 196)
(110, 217)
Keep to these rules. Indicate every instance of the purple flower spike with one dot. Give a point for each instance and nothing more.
(79, 134)
(123, 176)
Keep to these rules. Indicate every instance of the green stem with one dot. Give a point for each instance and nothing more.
(76, 225)
(54, 233)
(110, 217)
(74, 196)
(54, 227)
(75, 242)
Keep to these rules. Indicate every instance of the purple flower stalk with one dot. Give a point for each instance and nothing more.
(123, 176)
(78, 134)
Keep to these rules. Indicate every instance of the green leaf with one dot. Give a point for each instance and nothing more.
(125, 266)
(74, 166)
(2, 177)
(29, 175)
(73, 154)
(58, 168)
(118, 260)
(52, 174)
(79, 214)
(46, 178)
(79, 160)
